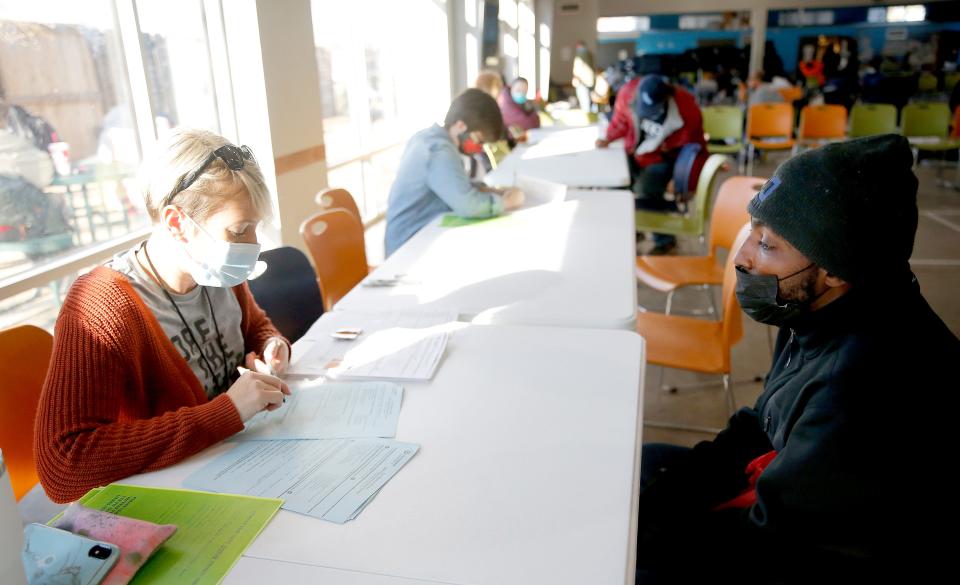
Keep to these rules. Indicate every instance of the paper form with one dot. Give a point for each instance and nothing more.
(213, 530)
(392, 346)
(540, 191)
(329, 479)
(329, 411)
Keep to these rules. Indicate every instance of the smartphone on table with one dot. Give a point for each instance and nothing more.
(56, 557)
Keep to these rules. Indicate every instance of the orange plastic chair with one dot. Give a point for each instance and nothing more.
(338, 199)
(668, 273)
(335, 241)
(791, 94)
(820, 125)
(699, 345)
(25, 355)
(769, 127)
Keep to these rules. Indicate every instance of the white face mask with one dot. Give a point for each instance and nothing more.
(214, 262)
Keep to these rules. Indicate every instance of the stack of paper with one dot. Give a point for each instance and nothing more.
(213, 530)
(539, 191)
(329, 411)
(332, 479)
(391, 346)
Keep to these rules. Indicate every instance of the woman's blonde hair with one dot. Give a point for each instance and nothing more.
(489, 81)
(181, 153)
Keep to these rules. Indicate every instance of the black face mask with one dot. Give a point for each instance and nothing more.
(760, 299)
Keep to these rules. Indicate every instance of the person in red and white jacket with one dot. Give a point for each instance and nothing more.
(655, 119)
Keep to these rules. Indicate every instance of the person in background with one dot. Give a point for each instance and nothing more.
(146, 348)
(489, 82)
(766, 90)
(519, 114)
(584, 75)
(656, 120)
(831, 476)
(431, 179)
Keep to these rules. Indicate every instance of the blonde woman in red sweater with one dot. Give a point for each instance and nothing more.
(146, 348)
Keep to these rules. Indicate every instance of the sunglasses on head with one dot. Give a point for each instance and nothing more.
(233, 156)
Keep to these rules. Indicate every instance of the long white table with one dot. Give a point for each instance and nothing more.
(567, 156)
(528, 472)
(563, 264)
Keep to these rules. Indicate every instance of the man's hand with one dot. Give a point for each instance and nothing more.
(602, 143)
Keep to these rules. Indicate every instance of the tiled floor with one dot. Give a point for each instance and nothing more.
(936, 262)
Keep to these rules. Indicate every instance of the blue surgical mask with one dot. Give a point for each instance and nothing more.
(214, 262)
(519, 98)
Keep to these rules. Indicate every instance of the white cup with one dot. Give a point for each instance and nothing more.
(11, 533)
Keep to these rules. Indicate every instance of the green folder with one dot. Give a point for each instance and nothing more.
(213, 530)
(451, 220)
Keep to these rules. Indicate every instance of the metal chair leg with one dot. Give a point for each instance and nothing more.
(660, 381)
(728, 388)
(750, 153)
(713, 303)
(669, 302)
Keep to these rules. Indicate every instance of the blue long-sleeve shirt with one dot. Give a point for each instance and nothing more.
(431, 180)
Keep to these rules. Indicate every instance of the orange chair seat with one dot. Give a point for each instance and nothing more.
(683, 342)
(667, 273)
(772, 145)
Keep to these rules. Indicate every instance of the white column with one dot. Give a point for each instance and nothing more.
(758, 24)
(277, 95)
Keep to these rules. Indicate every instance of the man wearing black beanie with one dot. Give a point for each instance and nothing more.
(833, 474)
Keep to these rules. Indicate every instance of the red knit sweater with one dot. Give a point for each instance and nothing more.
(119, 399)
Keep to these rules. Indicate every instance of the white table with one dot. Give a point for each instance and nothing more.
(250, 570)
(567, 156)
(563, 264)
(528, 472)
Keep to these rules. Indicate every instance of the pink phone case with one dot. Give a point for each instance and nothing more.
(137, 539)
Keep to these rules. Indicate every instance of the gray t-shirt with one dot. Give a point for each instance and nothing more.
(196, 313)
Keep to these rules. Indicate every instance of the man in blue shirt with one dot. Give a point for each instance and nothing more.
(431, 179)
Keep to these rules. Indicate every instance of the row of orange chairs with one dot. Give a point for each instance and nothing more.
(700, 345)
(770, 126)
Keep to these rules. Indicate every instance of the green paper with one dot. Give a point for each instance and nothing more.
(213, 530)
(451, 220)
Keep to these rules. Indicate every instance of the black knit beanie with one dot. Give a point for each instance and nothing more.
(850, 207)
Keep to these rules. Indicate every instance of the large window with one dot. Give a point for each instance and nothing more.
(77, 80)
(380, 82)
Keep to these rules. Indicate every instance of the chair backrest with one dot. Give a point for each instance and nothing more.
(823, 122)
(545, 119)
(770, 120)
(496, 151)
(288, 291)
(338, 199)
(25, 354)
(730, 210)
(950, 80)
(791, 94)
(708, 177)
(926, 119)
(927, 82)
(335, 241)
(721, 122)
(872, 119)
(732, 330)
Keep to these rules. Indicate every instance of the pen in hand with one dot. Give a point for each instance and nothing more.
(264, 369)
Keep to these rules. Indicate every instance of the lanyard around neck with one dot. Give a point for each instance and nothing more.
(223, 354)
